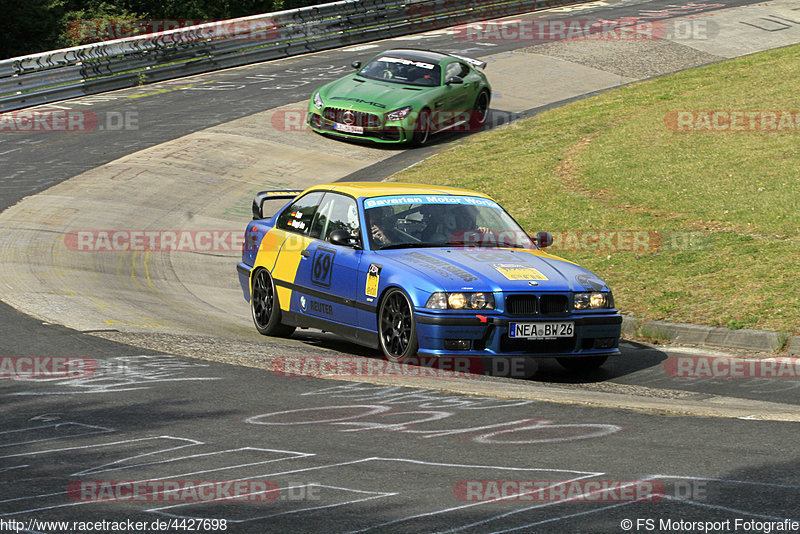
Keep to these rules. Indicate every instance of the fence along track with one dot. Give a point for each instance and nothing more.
(68, 73)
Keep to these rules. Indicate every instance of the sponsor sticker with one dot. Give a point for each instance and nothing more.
(518, 271)
(373, 277)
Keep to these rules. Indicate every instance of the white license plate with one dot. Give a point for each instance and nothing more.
(541, 330)
(348, 128)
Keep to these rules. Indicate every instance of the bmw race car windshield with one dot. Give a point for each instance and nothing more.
(406, 71)
(407, 221)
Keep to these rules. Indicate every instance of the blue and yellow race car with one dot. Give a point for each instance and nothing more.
(421, 269)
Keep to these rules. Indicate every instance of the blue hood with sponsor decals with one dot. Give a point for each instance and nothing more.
(489, 269)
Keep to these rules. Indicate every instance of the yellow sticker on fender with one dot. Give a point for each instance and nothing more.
(518, 271)
(373, 277)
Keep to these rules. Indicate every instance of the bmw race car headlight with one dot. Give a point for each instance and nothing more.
(461, 301)
(399, 114)
(593, 301)
(318, 101)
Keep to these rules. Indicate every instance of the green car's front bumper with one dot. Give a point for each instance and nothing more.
(374, 127)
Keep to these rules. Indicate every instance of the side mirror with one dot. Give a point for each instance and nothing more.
(543, 239)
(454, 80)
(356, 65)
(342, 238)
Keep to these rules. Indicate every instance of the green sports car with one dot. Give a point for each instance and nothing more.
(403, 96)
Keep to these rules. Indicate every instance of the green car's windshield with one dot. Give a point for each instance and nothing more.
(417, 221)
(393, 69)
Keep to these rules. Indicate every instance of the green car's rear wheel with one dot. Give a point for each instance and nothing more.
(479, 111)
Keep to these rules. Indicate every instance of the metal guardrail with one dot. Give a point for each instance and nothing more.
(68, 73)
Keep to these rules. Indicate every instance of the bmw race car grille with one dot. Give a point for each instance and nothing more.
(553, 304)
(352, 118)
(522, 304)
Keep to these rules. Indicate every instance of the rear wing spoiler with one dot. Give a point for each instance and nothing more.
(473, 62)
(261, 196)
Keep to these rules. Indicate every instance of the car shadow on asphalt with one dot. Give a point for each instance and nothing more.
(634, 357)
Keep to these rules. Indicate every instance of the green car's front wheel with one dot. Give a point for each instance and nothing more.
(422, 129)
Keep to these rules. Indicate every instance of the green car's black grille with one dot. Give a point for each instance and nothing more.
(352, 118)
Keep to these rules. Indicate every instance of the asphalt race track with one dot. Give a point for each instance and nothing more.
(185, 390)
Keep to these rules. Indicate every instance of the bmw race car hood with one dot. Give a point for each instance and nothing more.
(370, 95)
(455, 269)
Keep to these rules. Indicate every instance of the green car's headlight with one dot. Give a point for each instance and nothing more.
(318, 101)
(461, 301)
(399, 114)
(593, 301)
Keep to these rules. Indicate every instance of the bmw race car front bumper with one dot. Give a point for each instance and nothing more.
(479, 335)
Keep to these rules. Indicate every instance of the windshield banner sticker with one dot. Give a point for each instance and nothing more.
(420, 64)
(399, 200)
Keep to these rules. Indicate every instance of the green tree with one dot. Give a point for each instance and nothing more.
(29, 26)
(32, 26)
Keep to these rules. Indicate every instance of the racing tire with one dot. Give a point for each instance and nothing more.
(422, 129)
(582, 364)
(479, 112)
(264, 306)
(397, 327)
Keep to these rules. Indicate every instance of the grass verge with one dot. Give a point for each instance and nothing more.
(720, 208)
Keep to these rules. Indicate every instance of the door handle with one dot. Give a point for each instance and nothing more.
(306, 253)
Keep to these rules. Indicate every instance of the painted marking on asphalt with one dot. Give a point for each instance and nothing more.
(42, 429)
(526, 431)
(125, 373)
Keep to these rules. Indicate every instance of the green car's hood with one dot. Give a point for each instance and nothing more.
(370, 95)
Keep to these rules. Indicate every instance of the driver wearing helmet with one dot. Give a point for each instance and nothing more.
(381, 226)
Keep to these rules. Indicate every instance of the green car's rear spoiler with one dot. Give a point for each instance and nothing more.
(261, 196)
(473, 62)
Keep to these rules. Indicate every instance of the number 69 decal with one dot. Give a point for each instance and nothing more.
(321, 266)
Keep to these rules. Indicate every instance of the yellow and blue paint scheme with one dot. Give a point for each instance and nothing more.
(339, 288)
